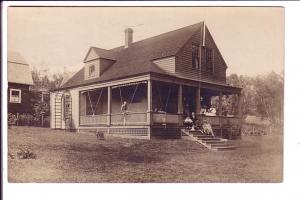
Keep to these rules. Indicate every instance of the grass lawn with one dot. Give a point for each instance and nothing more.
(78, 157)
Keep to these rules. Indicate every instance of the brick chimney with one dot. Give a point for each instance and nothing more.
(128, 37)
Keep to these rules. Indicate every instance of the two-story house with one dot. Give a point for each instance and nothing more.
(162, 79)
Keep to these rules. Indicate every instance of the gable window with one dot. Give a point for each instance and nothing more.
(92, 71)
(207, 64)
(15, 96)
(195, 56)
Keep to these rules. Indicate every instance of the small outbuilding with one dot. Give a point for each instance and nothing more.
(19, 82)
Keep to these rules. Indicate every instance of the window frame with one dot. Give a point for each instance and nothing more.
(11, 90)
(195, 56)
(207, 53)
(92, 74)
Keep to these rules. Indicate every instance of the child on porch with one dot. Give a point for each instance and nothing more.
(124, 111)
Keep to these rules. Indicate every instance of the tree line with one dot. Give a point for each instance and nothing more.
(262, 95)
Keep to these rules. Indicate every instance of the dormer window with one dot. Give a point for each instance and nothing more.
(92, 71)
(195, 56)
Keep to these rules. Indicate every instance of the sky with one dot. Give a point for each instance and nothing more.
(251, 39)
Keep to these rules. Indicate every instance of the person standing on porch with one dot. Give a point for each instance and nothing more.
(124, 111)
(194, 119)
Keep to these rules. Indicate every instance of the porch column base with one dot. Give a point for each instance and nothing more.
(180, 119)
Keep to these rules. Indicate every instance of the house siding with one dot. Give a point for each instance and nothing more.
(97, 69)
(184, 66)
(74, 112)
(166, 64)
(24, 106)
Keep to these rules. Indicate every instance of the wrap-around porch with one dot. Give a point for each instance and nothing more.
(153, 104)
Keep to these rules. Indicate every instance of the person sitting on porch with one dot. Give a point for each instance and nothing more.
(207, 128)
(124, 107)
(188, 122)
(161, 110)
(211, 112)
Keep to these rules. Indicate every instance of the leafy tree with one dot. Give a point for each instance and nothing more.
(261, 96)
(41, 106)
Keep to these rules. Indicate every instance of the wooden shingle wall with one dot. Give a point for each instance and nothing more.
(184, 66)
(166, 64)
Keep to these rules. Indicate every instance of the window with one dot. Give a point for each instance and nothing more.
(67, 107)
(207, 60)
(15, 96)
(92, 70)
(195, 56)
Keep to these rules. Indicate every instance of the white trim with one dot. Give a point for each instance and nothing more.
(203, 40)
(19, 100)
(92, 73)
(113, 83)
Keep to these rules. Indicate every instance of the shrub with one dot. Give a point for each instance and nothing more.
(28, 120)
(26, 154)
(12, 119)
(46, 121)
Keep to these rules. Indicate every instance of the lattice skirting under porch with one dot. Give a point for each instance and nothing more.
(130, 132)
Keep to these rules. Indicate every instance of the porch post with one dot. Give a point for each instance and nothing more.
(240, 105)
(220, 111)
(198, 101)
(240, 112)
(179, 106)
(108, 105)
(149, 104)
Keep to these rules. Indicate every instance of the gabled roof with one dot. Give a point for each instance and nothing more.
(100, 53)
(17, 69)
(13, 56)
(137, 58)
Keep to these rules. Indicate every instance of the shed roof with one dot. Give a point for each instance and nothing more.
(137, 58)
(18, 70)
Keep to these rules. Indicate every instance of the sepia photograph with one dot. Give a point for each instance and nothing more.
(145, 94)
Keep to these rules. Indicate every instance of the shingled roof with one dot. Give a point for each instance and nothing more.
(18, 70)
(137, 58)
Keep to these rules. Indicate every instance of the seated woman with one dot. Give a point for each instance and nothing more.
(188, 122)
(207, 128)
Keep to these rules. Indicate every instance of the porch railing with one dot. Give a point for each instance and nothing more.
(129, 118)
(217, 120)
(140, 118)
(93, 119)
(163, 118)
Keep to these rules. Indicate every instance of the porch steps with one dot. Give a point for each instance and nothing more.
(209, 141)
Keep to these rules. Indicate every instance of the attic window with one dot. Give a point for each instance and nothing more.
(207, 64)
(195, 56)
(92, 71)
(15, 96)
